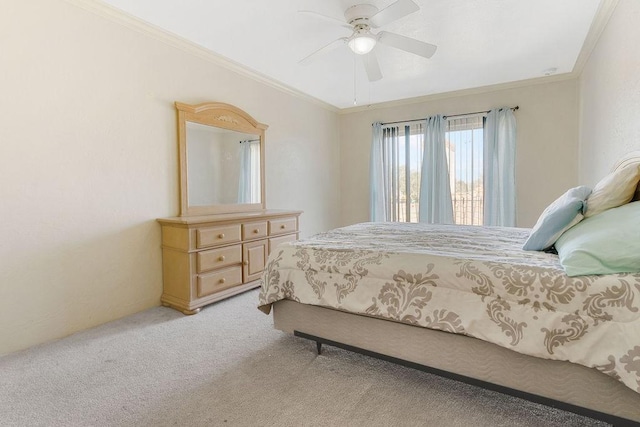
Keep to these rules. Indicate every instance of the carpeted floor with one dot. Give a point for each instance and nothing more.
(227, 366)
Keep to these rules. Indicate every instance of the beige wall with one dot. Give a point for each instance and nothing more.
(88, 160)
(610, 95)
(547, 143)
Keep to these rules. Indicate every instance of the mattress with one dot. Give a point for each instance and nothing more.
(467, 280)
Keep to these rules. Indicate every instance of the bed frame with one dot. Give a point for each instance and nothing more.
(560, 384)
(554, 383)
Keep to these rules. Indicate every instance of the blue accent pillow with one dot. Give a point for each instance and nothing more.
(565, 212)
(602, 244)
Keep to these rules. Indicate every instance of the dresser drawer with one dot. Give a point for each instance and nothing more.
(219, 280)
(213, 236)
(281, 226)
(275, 241)
(254, 230)
(218, 258)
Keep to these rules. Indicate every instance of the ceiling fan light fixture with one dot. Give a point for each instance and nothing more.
(362, 43)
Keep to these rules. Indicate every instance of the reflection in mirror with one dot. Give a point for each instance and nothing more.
(223, 166)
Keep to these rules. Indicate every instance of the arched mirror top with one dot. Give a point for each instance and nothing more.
(221, 115)
(221, 154)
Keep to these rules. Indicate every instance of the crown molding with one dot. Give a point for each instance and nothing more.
(462, 92)
(600, 20)
(120, 17)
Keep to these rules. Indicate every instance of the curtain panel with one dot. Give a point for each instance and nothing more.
(249, 183)
(378, 200)
(436, 206)
(499, 168)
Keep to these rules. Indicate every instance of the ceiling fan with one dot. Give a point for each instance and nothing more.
(361, 18)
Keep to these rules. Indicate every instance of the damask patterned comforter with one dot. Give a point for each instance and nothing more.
(469, 280)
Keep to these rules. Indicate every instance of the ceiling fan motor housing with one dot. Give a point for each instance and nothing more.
(360, 14)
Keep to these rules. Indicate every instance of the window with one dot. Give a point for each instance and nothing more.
(402, 159)
(464, 146)
(470, 159)
(402, 153)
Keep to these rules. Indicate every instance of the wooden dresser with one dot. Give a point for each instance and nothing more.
(212, 257)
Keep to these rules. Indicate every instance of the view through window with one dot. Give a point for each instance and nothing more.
(404, 148)
(403, 163)
(465, 157)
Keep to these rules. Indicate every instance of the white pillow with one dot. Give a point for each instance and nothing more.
(615, 189)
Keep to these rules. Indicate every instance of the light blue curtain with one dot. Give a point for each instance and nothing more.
(378, 200)
(500, 168)
(436, 206)
(244, 187)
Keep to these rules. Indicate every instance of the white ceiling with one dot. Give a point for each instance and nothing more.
(480, 42)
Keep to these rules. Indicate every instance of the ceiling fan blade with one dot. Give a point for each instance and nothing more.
(323, 50)
(407, 44)
(331, 19)
(392, 12)
(372, 66)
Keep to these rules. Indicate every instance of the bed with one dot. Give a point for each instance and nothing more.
(466, 302)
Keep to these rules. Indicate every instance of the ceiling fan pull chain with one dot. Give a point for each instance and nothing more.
(355, 101)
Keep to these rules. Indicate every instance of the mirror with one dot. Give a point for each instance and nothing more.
(223, 166)
(221, 160)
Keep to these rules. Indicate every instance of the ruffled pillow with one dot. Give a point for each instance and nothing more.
(616, 189)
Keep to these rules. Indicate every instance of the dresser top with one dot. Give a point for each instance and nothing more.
(240, 216)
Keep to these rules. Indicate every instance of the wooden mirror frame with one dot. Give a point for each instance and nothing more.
(223, 116)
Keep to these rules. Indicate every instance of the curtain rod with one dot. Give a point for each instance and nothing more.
(446, 117)
(248, 140)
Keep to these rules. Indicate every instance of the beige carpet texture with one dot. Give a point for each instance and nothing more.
(227, 366)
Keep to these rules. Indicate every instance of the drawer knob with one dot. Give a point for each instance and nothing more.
(256, 231)
(283, 226)
(246, 263)
(222, 280)
(222, 258)
(221, 236)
